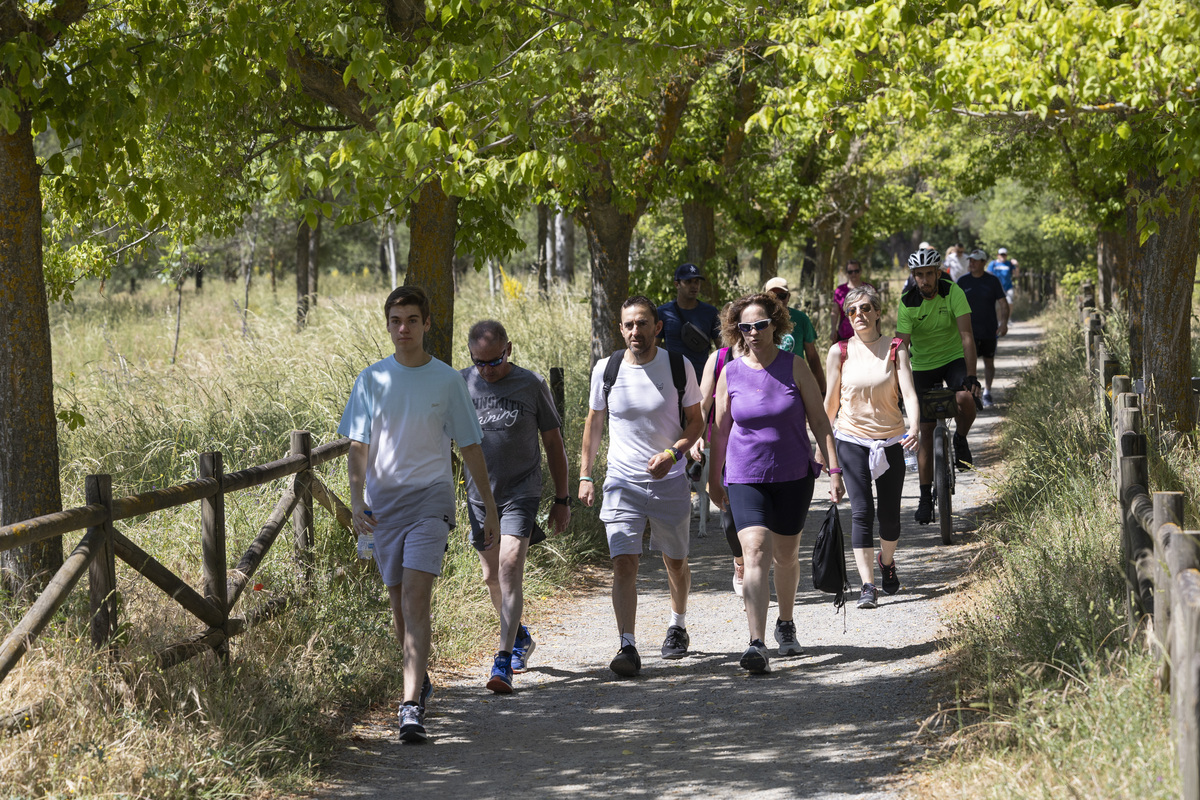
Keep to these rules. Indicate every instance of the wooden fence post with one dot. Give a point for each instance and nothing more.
(1135, 542)
(558, 392)
(1184, 559)
(1108, 368)
(102, 572)
(212, 544)
(302, 517)
(1168, 508)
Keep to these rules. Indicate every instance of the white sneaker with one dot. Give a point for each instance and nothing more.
(987, 400)
(785, 637)
(739, 572)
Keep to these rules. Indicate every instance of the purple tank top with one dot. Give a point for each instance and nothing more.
(768, 442)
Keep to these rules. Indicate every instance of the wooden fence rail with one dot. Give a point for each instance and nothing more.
(1161, 560)
(102, 544)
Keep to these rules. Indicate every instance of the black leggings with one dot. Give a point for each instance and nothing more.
(854, 459)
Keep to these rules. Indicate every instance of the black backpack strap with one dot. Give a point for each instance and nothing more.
(610, 373)
(679, 377)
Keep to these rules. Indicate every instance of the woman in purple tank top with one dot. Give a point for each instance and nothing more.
(760, 442)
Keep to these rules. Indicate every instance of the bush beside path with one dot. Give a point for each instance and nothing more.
(843, 719)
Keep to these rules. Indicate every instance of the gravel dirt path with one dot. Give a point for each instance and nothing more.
(838, 721)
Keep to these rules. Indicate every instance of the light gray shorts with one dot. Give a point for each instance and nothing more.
(419, 544)
(665, 504)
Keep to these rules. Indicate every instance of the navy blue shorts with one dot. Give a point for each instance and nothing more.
(779, 507)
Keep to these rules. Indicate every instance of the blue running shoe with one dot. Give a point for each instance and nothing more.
(501, 680)
(522, 650)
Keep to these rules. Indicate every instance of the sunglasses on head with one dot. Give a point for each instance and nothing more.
(761, 325)
(495, 362)
(854, 311)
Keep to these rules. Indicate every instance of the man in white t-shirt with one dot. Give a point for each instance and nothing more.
(644, 404)
(402, 414)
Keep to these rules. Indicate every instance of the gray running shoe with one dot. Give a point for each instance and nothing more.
(785, 635)
(869, 597)
(412, 730)
(755, 660)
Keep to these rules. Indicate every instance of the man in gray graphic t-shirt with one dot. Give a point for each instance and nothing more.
(513, 406)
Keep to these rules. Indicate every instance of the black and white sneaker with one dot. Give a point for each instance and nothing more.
(890, 581)
(785, 636)
(627, 662)
(755, 660)
(676, 643)
(869, 597)
(412, 729)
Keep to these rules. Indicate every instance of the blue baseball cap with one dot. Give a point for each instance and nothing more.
(687, 272)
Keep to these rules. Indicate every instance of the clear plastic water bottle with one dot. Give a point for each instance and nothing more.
(366, 542)
(910, 459)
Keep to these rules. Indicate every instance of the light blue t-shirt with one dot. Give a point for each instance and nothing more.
(1003, 271)
(407, 416)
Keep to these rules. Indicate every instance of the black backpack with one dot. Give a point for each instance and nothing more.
(678, 377)
(829, 559)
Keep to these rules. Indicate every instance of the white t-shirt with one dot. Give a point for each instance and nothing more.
(956, 265)
(407, 416)
(643, 413)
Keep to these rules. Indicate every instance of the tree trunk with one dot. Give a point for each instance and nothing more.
(700, 227)
(433, 223)
(314, 262)
(1133, 286)
(1168, 268)
(1106, 259)
(543, 249)
(609, 234)
(768, 264)
(564, 233)
(29, 479)
(302, 236)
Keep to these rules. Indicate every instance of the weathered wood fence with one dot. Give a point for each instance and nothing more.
(213, 602)
(1161, 559)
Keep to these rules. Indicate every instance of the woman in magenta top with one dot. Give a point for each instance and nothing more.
(760, 442)
(842, 329)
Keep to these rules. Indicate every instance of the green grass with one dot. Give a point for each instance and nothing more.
(264, 721)
(1054, 699)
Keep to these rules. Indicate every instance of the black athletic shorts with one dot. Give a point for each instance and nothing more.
(952, 375)
(985, 348)
(779, 507)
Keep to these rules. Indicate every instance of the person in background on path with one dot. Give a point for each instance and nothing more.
(842, 329)
(401, 416)
(689, 327)
(760, 441)
(646, 481)
(802, 339)
(989, 316)
(514, 406)
(867, 375)
(935, 322)
(708, 391)
(1006, 271)
(955, 262)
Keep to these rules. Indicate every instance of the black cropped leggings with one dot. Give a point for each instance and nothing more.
(854, 459)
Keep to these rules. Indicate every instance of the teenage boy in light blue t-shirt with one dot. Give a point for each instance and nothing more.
(402, 414)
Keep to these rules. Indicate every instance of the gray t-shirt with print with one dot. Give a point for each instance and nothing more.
(513, 412)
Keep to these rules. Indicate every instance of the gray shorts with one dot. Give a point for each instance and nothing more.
(518, 517)
(665, 504)
(419, 544)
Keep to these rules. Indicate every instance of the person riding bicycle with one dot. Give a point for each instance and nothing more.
(935, 323)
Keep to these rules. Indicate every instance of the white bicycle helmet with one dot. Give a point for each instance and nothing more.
(924, 258)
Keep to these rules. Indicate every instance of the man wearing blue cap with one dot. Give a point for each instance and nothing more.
(689, 327)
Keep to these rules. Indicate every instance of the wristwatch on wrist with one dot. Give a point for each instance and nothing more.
(562, 501)
(675, 453)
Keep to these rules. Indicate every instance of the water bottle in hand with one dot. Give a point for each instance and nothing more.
(910, 459)
(366, 542)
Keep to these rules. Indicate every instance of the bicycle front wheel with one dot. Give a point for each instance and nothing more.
(942, 477)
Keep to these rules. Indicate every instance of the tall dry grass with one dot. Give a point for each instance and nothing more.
(264, 720)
